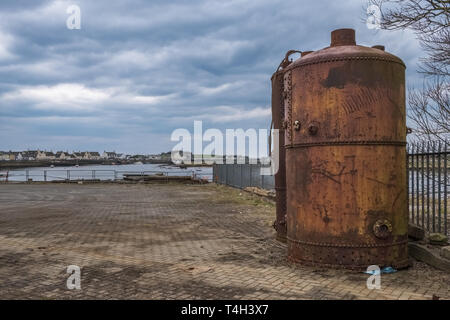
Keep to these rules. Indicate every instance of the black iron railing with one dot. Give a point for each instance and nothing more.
(428, 182)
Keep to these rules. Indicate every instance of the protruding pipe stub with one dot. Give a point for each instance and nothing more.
(379, 47)
(343, 37)
(304, 53)
(313, 129)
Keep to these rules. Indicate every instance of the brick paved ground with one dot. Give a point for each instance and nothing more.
(166, 242)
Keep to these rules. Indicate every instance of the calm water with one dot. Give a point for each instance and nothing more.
(102, 172)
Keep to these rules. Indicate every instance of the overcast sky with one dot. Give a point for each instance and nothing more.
(139, 69)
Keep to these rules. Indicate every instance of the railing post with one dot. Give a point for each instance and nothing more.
(428, 185)
(411, 180)
(445, 187)
(407, 179)
(439, 186)
(417, 184)
(422, 178)
(26, 175)
(433, 191)
(45, 175)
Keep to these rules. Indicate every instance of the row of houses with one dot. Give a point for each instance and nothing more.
(60, 155)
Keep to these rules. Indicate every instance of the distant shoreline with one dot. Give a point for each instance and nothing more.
(11, 165)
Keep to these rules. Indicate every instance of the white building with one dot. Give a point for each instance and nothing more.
(110, 155)
(4, 156)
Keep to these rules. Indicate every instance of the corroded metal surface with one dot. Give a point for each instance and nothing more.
(280, 176)
(277, 119)
(345, 154)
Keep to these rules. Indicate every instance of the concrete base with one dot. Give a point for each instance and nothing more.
(445, 252)
(424, 254)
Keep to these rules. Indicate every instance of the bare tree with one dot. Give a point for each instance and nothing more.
(430, 110)
(430, 21)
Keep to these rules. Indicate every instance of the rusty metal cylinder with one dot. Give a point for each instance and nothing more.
(277, 121)
(280, 176)
(345, 143)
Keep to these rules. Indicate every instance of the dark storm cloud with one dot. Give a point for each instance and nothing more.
(139, 69)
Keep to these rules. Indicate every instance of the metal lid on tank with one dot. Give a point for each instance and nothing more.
(343, 47)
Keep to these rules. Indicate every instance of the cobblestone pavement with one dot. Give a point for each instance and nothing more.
(167, 241)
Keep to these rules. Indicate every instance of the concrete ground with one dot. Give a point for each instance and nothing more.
(167, 241)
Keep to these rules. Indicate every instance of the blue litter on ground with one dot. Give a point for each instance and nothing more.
(384, 270)
(388, 270)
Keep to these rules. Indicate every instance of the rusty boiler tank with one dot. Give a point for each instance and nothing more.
(345, 143)
(277, 80)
